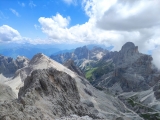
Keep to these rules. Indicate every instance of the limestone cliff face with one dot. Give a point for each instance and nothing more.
(133, 71)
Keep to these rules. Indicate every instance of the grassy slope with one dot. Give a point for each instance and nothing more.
(98, 69)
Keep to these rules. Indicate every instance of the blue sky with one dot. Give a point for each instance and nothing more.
(23, 15)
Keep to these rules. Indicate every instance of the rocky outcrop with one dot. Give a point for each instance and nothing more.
(55, 87)
(8, 66)
(70, 65)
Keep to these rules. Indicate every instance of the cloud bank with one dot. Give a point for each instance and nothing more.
(110, 23)
(156, 57)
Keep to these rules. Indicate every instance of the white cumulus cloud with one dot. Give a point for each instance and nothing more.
(8, 34)
(130, 15)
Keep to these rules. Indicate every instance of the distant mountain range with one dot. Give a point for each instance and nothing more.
(82, 56)
(29, 50)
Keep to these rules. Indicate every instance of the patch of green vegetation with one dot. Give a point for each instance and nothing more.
(99, 88)
(131, 102)
(150, 116)
(89, 73)
(98, 69)
(134, 97)
(103, 70)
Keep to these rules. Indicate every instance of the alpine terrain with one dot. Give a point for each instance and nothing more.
(46, 90)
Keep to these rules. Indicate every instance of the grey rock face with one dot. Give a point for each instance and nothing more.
(8, 66)
(70, 65)
(133, 71)
(56, 87)
(46, 94)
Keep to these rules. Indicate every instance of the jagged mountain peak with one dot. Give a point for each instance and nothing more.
(128, 45)
(42, 61)
(129, 48)
(37, 58)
